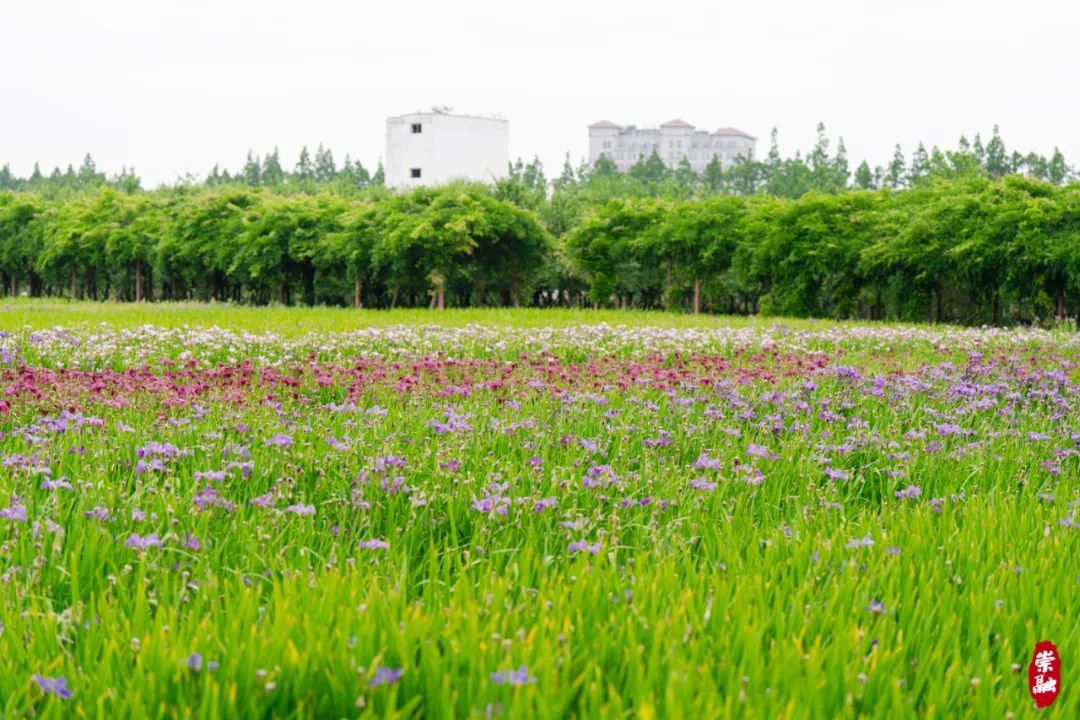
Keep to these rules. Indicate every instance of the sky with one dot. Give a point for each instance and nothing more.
(174, 86)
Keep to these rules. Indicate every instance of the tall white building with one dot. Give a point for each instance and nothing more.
(674, 140)
(435, 148)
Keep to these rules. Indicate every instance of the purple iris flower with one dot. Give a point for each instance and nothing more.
(16, 512)
(280, 440)
(583, 545)
(374, 544)
(138, 542)
(865, 541)
(513, 677)
(386, 676)
(545, 503)
(54, 686)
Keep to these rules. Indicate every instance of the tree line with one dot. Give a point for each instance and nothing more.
(819, 169)
(972, 249)
(970, 235)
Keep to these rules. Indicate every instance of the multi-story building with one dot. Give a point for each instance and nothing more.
(674, 140)
(434, 148)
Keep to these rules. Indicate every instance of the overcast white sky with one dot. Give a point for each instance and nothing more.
(173, 86)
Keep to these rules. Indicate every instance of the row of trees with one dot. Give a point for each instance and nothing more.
(970, 249)
(253, 246)
(820, 170)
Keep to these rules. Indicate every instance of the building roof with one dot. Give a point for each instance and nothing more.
(604, 124)
(734, 131)
(677, 122)
(431, 114)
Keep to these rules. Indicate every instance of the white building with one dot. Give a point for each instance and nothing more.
(672, 141)
(435, 148)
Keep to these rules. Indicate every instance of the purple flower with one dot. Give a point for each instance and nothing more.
(865, 541)
(876, 607)
(702, 484)
(138, 542)
(596, 473)
(16, 512)
(488, 504)
(583, 545)
(663, 440)
(335, 443)
(911, 491)
(263, 501)
(56, 484)
(100, 513)
(374, 544)
(760, 451)
(155, 464)
(54, 686)
(301, 509)
(195, 662)
(164, 449)
(192, 542)
(209, 497)
(704, 462)
(513, 677)
(835, 475)
(245, 467)
(545, 503)
(386, 676)
(213, 475)
(280, 440)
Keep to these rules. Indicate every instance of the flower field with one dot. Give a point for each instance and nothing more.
(499, 519)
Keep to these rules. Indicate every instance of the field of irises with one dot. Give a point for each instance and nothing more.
(214, 512)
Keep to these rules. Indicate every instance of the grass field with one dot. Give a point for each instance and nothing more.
(235, 512)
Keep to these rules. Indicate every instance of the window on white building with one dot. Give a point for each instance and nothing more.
(414, 172)
(607, 144)
(417, 128)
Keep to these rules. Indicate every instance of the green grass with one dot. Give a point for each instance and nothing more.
(297, 320)
(740, 600)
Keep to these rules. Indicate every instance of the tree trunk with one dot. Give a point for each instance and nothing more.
(138, 281)
(14, 286)
(940, 307)
(697, 296)
(74, 285)
(281, 294)
(1061, 305)
(667, 284)
(394, 295)
(91, 285)
(997, 308)
(357, 303)
(442, 296)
